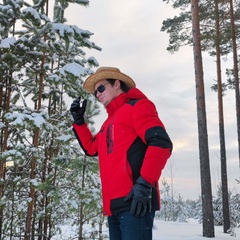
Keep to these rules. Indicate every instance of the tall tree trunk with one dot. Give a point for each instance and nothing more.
(225, 201)
(207, 209)
(36, 141)
(35, 144)
(81, 210)
(43, 235)
(5, 97)
(235, 69)
(4, 107)
(29, 219)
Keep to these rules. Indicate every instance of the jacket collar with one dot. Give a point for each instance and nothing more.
(116, 103)
(121, 99)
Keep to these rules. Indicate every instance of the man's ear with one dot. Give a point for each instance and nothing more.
(117, 84)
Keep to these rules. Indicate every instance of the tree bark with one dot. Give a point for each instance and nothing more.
(207, 209)
(81, 209)
(235, 69)
(225, 201)
(35, 144)
(4, 107)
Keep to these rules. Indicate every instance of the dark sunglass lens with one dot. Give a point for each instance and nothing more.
(100, 89)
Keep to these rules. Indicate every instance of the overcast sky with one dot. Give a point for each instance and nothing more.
(129, 34)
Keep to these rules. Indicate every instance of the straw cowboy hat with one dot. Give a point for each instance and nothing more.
(107, 73)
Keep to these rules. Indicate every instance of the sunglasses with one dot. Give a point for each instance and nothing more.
(101, 88)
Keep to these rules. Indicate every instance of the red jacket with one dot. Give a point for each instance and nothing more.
(131, 142)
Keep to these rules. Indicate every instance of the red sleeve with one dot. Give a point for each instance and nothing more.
(86, 140)
(151, 130)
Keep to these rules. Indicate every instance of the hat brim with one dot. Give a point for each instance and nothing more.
(89, 84)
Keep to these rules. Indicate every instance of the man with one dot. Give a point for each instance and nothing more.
(132, 146)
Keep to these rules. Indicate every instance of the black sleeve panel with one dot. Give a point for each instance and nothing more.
(135, 156)
(80, 143)
(157, 136)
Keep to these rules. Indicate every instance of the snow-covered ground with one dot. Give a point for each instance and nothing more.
(186, 231)
(169, 231)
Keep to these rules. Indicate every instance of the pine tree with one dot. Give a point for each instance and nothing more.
(42, 66)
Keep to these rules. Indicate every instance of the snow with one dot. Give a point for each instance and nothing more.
(7, 42)
(34, 182)
(33, 12)
(190, 231)
(11, 152)
(36, 118)
(62, 29)
(1, 125)
(80, 31)
(73, 68)
(166, 230)
(64, 138)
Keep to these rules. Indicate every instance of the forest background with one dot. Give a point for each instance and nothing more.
(44, 61)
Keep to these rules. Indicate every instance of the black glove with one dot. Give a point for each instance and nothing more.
(141, 194)
(77, 111)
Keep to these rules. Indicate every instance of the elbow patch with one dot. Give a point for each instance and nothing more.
(157, 136)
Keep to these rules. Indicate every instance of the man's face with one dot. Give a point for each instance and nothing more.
(105, 92)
